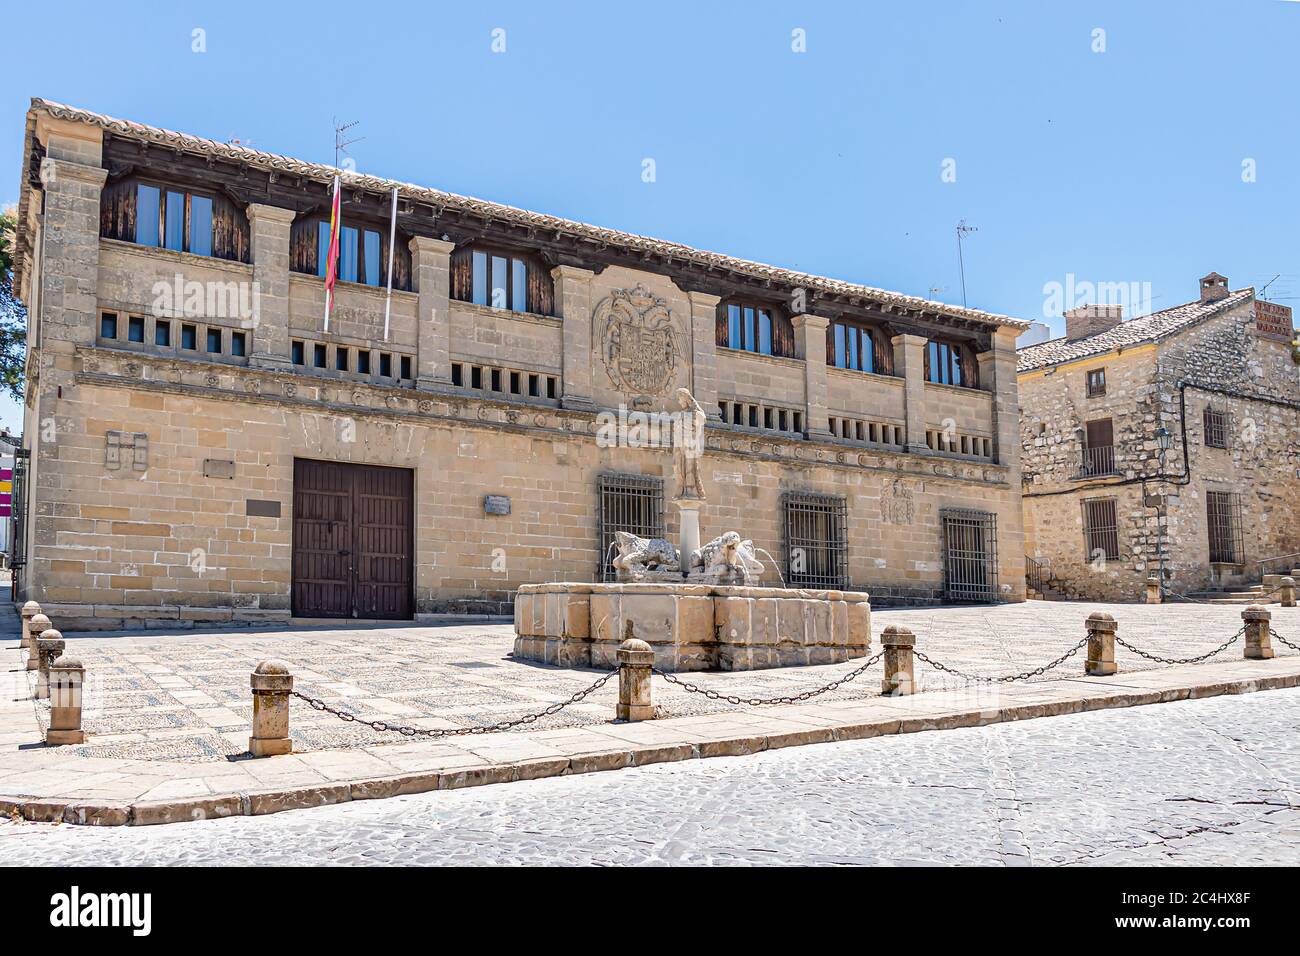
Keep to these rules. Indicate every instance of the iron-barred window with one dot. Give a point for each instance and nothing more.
(1223, 513)
(1216, 428)
(970, 555)
(816, 541)
(631, 503)
(1100, 529)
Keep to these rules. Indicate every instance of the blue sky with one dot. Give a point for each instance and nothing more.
(1122, 166)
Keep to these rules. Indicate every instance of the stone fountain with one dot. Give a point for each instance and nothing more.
(699, 607)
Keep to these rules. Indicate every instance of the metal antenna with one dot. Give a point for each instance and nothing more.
(935, 291)
(963, 229)
(1261, 292)
(340, 144)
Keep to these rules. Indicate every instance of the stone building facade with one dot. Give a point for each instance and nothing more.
(201, 448)
(1220, 375)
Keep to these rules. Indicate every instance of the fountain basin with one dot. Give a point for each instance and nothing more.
(691, 627)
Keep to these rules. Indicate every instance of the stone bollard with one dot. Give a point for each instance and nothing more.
(38, 625)
(1101, 645)
(272, 684)
(900, 668)
(48, 647)
(635, 658)
(1287, 589)
(67, 677)
(1259, 644)
(1153, 590)
(30, 609)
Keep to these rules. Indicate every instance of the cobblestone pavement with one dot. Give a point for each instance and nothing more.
(185, 696)
(1213, 781)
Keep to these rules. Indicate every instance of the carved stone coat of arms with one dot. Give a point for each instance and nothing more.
(638, 340)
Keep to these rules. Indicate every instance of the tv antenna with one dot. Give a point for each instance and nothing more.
(935, 291)
(962, 230)
(1261, 292)
(341, 143)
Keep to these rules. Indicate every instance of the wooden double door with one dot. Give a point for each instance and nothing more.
(353, 540)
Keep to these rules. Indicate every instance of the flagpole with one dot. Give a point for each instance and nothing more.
(392, 246)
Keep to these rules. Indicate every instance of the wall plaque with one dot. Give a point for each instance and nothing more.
(262, 509)
(496, 504)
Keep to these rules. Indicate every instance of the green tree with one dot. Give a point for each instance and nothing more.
(13, 314)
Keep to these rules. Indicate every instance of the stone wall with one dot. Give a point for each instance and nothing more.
(1143, 394)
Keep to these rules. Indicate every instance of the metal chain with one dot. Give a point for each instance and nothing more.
(1278, 637)
(1181, 660)
(406, 731)
(1005, 678)
(761, 701)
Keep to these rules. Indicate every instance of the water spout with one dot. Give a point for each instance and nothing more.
(775, 566)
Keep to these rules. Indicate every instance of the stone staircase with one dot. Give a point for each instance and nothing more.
(1262, 593)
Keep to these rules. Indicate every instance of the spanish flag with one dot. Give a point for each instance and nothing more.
(332, 267)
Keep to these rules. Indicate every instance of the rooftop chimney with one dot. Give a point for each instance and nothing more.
(1088, 320)
(1214, 287)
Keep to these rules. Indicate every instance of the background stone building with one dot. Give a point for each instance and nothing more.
(202, 449)
(1220, 376)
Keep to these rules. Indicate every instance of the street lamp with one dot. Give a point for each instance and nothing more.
(1164, 440)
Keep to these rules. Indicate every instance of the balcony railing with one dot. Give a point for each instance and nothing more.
(1097, 460)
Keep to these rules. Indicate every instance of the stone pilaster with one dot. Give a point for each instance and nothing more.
(573, 301)
(69, 271)
(998, 375)
(704, 351)
(431, 269)
(909, 362)
(268, 229)
(810, 331)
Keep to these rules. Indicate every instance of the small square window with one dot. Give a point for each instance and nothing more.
(1096, 382)
(108, 325)
(385, 365)
(214, 341)
(162, 333)
(363, 359)
(189, 337)
(318, 356)
(135, 329)
(238, 343)
(297, 354)
(406, 367)
(341, 359)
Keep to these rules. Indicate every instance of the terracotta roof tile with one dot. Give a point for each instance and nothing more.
(1148, 328)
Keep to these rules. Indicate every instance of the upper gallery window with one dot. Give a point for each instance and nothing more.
(173, 219)
(752, 327)
(857, 347)
(500, 281)
(950, 363)
(359, 255)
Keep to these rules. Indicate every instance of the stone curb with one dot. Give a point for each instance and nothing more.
(275, 800)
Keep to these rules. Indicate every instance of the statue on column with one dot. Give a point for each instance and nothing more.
(688, 448)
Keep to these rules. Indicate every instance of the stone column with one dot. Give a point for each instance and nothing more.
(900, 668)
(909, 362)
(688, 517)
(67, 677)
(431, 270)
(272, 684)
(1259, 642)
(39, 625)
(269, 228)
(998, 375)
(573, 302)
(1101, 645)
(810, 331)
(1153, 590)
(48, 646)
(635, 658)
(1287, 588)
(704, 352)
